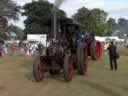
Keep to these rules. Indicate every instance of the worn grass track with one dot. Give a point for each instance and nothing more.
(16, 79)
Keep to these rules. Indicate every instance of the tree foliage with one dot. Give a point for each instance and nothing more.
(39, 15)
(8, 10)
(19, 32)
(91, 20)
(123, 22)
(82, 17)
(111, 26)
(123, 26)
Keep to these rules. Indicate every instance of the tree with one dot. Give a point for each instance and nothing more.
(19, 32)
(122, 22)
(98, 19)
(91, 20)
(82, 17)
(39, 14)
(3, 25)
(8, 10)
(123, 26)
(111, 26)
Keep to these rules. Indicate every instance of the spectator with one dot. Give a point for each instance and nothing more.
(33, 49)
(0, 49)
(21, 46)
(13, 48)
(27, 49)
(6, 49)
(3, 50)
(40, 46)
(112, 56)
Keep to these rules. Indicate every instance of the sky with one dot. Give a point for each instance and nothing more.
(114, 8)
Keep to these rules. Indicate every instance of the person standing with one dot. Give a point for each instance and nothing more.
(21, 47)
(112, 50)
(13, 48)
(33, 49)
(40, 47)
(4, 50)
(27, 49)
(0, 49)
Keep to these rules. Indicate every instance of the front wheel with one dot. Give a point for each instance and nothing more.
(68, 67)
(39, 69)
(82, 59)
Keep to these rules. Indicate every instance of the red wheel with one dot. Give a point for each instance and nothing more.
(96, 50)
(82, 59)
(39, 69)
(68, 67)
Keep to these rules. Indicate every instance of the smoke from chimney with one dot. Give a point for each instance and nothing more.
(59, 2)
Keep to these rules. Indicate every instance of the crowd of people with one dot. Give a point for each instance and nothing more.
(24, 49)
(28, 49)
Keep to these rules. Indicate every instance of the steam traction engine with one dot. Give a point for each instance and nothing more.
(68, 51)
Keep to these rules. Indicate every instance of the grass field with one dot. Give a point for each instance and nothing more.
(16, 79)
(123, 51)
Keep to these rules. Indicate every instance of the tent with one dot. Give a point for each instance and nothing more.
(107, 39)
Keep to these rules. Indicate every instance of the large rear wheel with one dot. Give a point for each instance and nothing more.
(96, 50)
(39, 69)
(82, 59)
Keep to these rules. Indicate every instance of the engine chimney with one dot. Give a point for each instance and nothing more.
(55, 23)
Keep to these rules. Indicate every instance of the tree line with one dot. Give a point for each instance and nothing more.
(38, 15)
